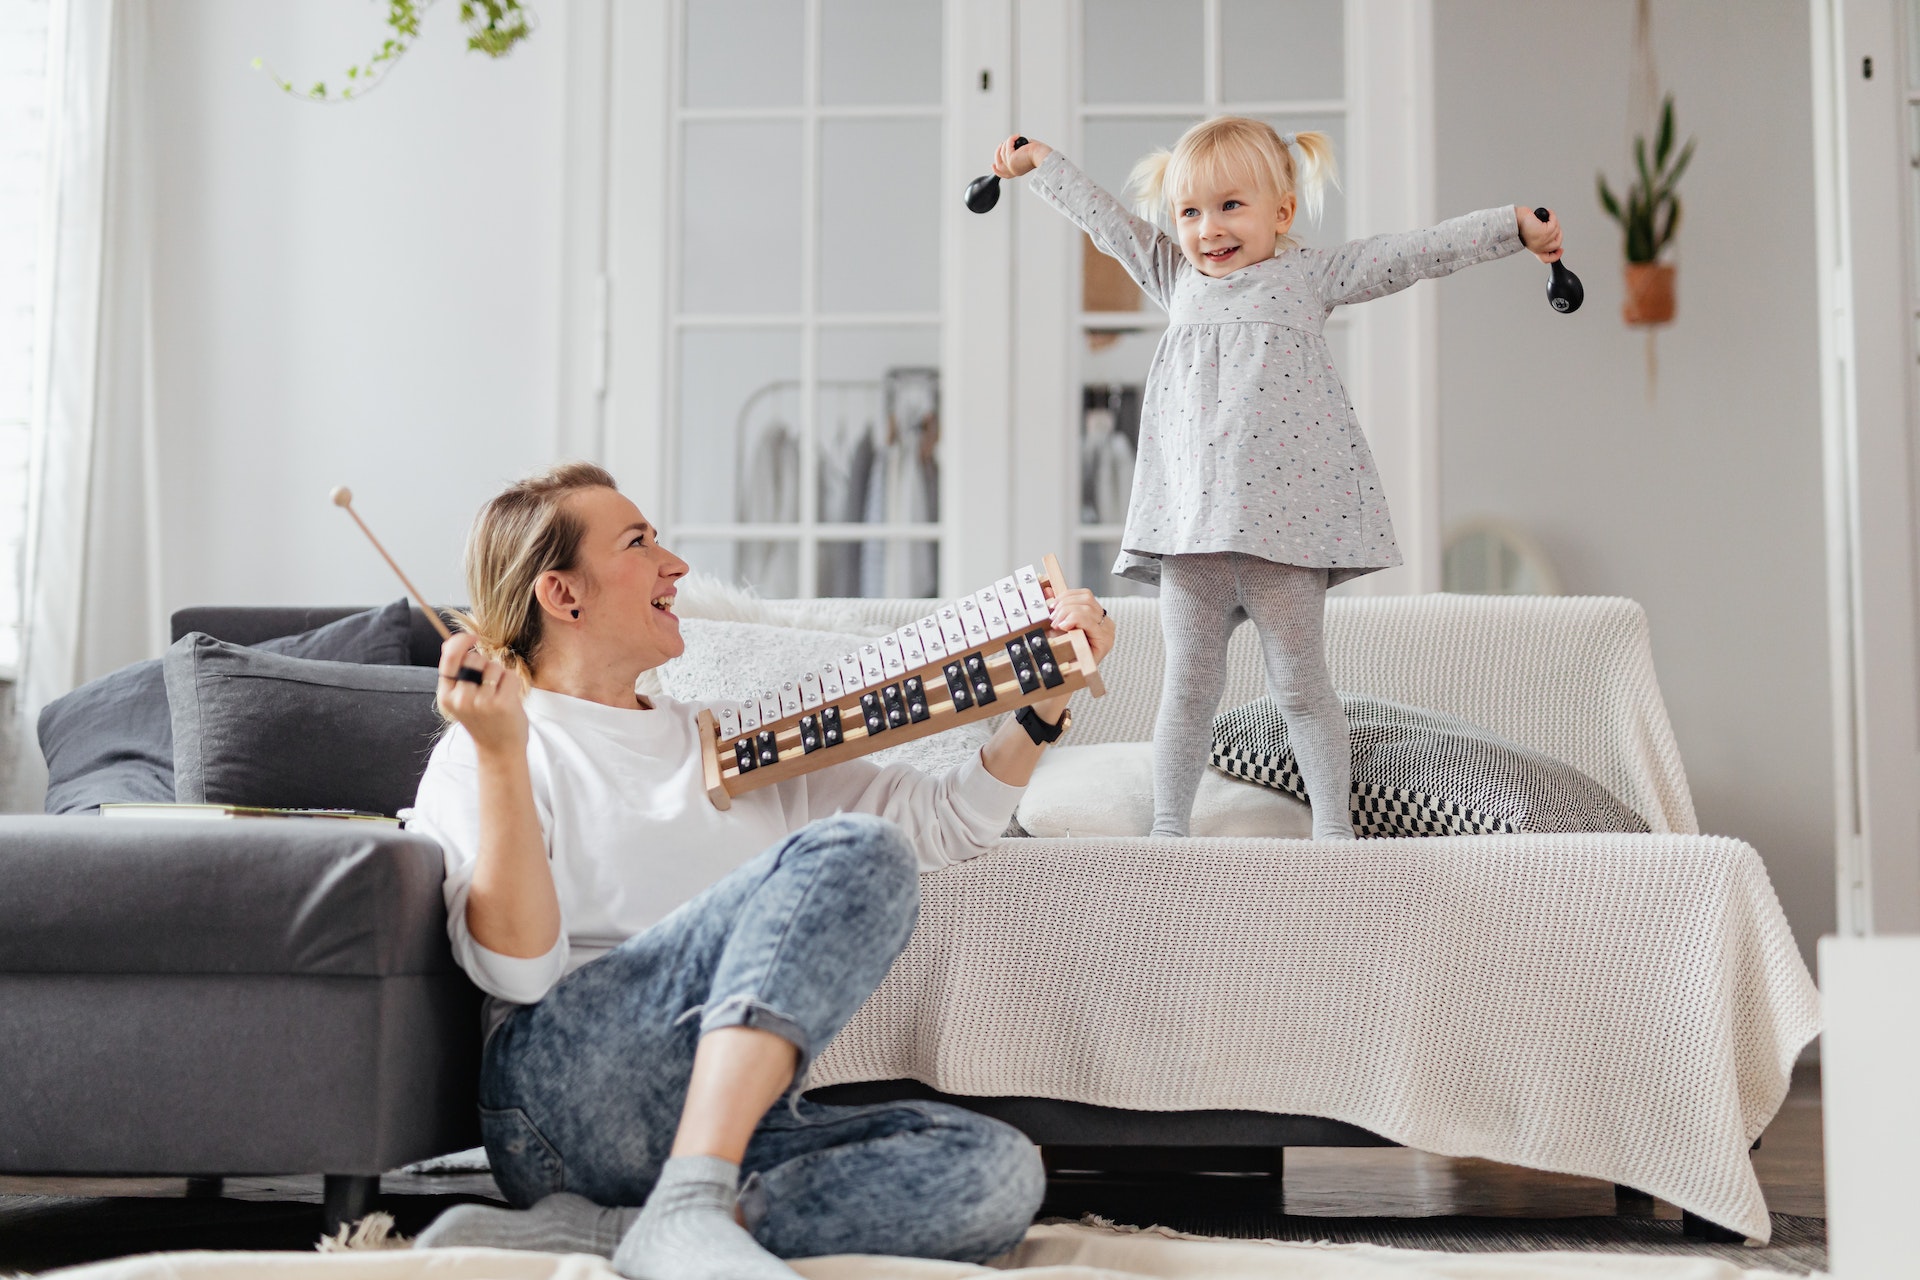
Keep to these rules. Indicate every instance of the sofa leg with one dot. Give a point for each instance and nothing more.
(1631, 1202)
(1695, 1227)
(1277, 1170)
(349, 1198)
(206, 1188)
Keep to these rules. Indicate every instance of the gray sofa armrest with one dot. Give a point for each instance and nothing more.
(267, 896)
(226, 997)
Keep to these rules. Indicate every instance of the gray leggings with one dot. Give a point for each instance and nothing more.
(1203, 598)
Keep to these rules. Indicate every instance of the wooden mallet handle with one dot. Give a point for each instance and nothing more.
(343, 498)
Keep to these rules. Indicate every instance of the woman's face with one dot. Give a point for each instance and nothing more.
(624, 583)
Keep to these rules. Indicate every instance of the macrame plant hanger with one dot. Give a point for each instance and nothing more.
(1643, 120)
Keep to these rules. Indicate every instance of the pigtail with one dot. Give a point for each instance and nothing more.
(1314, 171)
(1148, 186)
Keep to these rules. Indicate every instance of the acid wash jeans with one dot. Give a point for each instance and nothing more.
(582, 1091)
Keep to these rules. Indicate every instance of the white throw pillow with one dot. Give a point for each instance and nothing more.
(732, 660)
(1106, 789)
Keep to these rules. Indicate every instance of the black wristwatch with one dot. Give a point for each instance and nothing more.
(1039, 730)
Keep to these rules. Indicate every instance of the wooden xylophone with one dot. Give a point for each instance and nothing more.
(982, 655)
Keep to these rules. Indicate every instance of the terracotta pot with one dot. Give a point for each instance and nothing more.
(1649, 293)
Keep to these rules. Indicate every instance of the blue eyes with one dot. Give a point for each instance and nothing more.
(1225, 208)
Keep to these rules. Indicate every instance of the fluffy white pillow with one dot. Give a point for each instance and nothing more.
(730, 660)
(1106, 789)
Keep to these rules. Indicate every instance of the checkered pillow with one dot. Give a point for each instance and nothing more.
(1423, 773)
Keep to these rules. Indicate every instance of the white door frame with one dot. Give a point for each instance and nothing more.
(1867, 362)
(1395, 380)
(1393, 371)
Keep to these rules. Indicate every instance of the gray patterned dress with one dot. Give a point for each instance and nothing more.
(1247, 442)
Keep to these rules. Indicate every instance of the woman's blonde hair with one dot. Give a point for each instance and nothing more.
(524, 532)
(1235, 151)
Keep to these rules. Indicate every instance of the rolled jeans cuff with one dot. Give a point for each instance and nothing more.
(746, 1011)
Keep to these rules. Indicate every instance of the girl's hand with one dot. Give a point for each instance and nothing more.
(1077, 610)
(491, 710)
(1011, 163)
(1543, 238)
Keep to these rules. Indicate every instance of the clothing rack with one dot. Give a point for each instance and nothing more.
(885, 470)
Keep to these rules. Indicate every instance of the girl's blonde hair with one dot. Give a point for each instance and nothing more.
(1235, 151)
(524, 532)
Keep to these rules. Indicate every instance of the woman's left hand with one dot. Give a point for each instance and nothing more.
(1077, 610)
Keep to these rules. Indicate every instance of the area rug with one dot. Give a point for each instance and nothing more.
(1077, 1251)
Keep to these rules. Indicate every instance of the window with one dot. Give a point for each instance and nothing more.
(23, 153)
(804, 295)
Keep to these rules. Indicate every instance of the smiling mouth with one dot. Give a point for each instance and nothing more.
(1220, 255)
(663, 603)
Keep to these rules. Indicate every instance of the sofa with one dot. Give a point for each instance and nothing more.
(223, 998)
(272, 996)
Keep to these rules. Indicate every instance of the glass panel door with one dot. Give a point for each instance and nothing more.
(804, 298)
(1150, 69)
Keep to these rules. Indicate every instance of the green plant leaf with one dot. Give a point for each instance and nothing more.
(1640, 162)
(1669, 227)
(1608, 202)
(1665, 143)
(1680, 164)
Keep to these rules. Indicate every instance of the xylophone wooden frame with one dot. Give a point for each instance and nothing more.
(725, 781)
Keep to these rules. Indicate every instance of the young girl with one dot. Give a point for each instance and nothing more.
(1255, 490)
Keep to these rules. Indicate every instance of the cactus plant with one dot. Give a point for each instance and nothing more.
(1651, 212)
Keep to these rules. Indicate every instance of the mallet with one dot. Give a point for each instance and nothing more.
(984, 191)
(1564, 291)
(343, 498)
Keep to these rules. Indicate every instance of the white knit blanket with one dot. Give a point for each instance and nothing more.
(1626, 1007)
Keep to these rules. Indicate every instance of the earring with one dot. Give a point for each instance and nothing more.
(576, 613)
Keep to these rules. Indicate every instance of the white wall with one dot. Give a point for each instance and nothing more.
(1705, 503)
(364, 294)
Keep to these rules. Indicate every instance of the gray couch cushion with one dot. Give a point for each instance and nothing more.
(264, 729)
(111, 740)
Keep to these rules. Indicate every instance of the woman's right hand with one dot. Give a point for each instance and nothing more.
(1011, 162)
(491, 710)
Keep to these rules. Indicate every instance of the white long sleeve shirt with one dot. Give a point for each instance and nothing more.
(631, 834)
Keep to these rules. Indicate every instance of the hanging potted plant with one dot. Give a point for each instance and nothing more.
(1649, 216)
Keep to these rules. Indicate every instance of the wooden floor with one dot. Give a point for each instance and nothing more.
(46, 1222)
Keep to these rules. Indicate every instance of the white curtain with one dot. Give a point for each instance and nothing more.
(92, 556)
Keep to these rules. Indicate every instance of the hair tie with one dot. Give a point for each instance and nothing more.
(1288, 139)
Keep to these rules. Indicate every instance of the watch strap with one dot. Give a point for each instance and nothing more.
(1039, 730)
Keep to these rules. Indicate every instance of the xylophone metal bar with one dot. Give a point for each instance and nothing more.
(723, 759)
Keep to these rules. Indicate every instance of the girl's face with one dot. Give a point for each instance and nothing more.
(1225, 230)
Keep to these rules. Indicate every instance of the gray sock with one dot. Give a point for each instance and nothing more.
(561, 1223)
(1197, 616)
(687, 1231)
(1289, 604)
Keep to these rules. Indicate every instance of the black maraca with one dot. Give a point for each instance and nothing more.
(1564, 291)
(984, 191)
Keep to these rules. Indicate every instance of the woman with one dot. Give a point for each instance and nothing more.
(660, 972)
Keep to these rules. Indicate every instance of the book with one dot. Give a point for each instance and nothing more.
(201, 812)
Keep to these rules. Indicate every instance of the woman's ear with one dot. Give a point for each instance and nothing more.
(558, 595)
